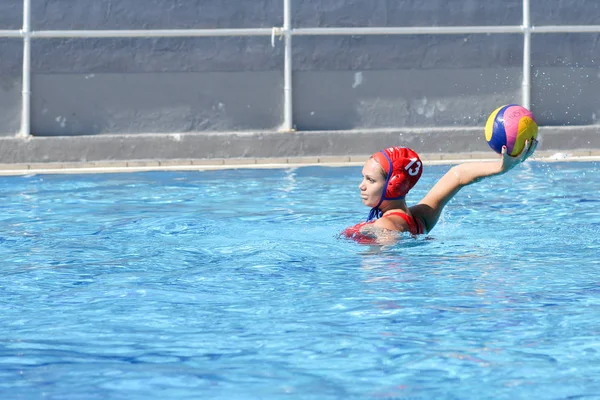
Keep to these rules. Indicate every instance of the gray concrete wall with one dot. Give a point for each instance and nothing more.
(275, 147)
(11, 51)
(11, 58)
(134, 86)
(11, 14)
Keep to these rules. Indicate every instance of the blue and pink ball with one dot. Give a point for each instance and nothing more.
(510, 125)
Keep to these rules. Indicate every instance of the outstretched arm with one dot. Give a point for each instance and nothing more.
(430, 208)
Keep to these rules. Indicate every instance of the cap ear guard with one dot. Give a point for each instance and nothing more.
(403, 167)
(406, 171)
(396, 184)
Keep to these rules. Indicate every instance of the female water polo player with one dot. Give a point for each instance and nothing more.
(389, 175)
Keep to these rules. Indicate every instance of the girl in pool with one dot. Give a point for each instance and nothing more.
(389, 175)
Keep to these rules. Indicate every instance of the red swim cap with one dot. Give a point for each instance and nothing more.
(403, 167)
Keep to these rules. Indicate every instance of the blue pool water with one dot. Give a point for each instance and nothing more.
(233, 285)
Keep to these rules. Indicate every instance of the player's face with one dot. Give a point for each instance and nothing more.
(372, 184)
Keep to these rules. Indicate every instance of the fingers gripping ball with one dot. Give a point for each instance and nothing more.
(510, 125)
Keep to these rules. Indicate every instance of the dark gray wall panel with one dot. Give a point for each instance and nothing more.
(11, 14)
(566, 96)
(407, 52)
(156, 85)
(575, 50)
(72, 104)
(565, 12)
(11, 54)
(565, 85)
(401, 98)
(155, 14)
(406, 81)
(344, 13)
(140, 55)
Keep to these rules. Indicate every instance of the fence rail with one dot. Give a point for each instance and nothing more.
(151, 33)
(286, 32)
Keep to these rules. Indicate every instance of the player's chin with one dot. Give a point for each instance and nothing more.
(367, 202)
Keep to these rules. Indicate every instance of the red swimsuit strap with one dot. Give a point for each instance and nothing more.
(414, 224)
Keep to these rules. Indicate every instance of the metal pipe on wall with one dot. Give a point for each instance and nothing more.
(526, 85)
(416, 30)
(411, 30)
(10, 34)
(566, 29)
(288, 107)
(137, 33)
(26, 88)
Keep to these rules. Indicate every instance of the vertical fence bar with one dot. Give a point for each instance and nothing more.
(526, 85)
(288, 107)
(26, 78)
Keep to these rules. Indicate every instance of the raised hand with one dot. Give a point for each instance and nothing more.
(509, 162)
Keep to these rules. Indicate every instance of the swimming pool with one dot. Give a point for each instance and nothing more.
(233, 284)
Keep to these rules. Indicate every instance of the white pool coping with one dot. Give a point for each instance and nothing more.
(265, 163)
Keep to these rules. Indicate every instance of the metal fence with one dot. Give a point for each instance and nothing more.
(285, 32)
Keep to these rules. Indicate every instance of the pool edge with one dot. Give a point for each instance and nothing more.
(96, 167)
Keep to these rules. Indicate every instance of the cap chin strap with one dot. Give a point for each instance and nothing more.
(375, 212)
